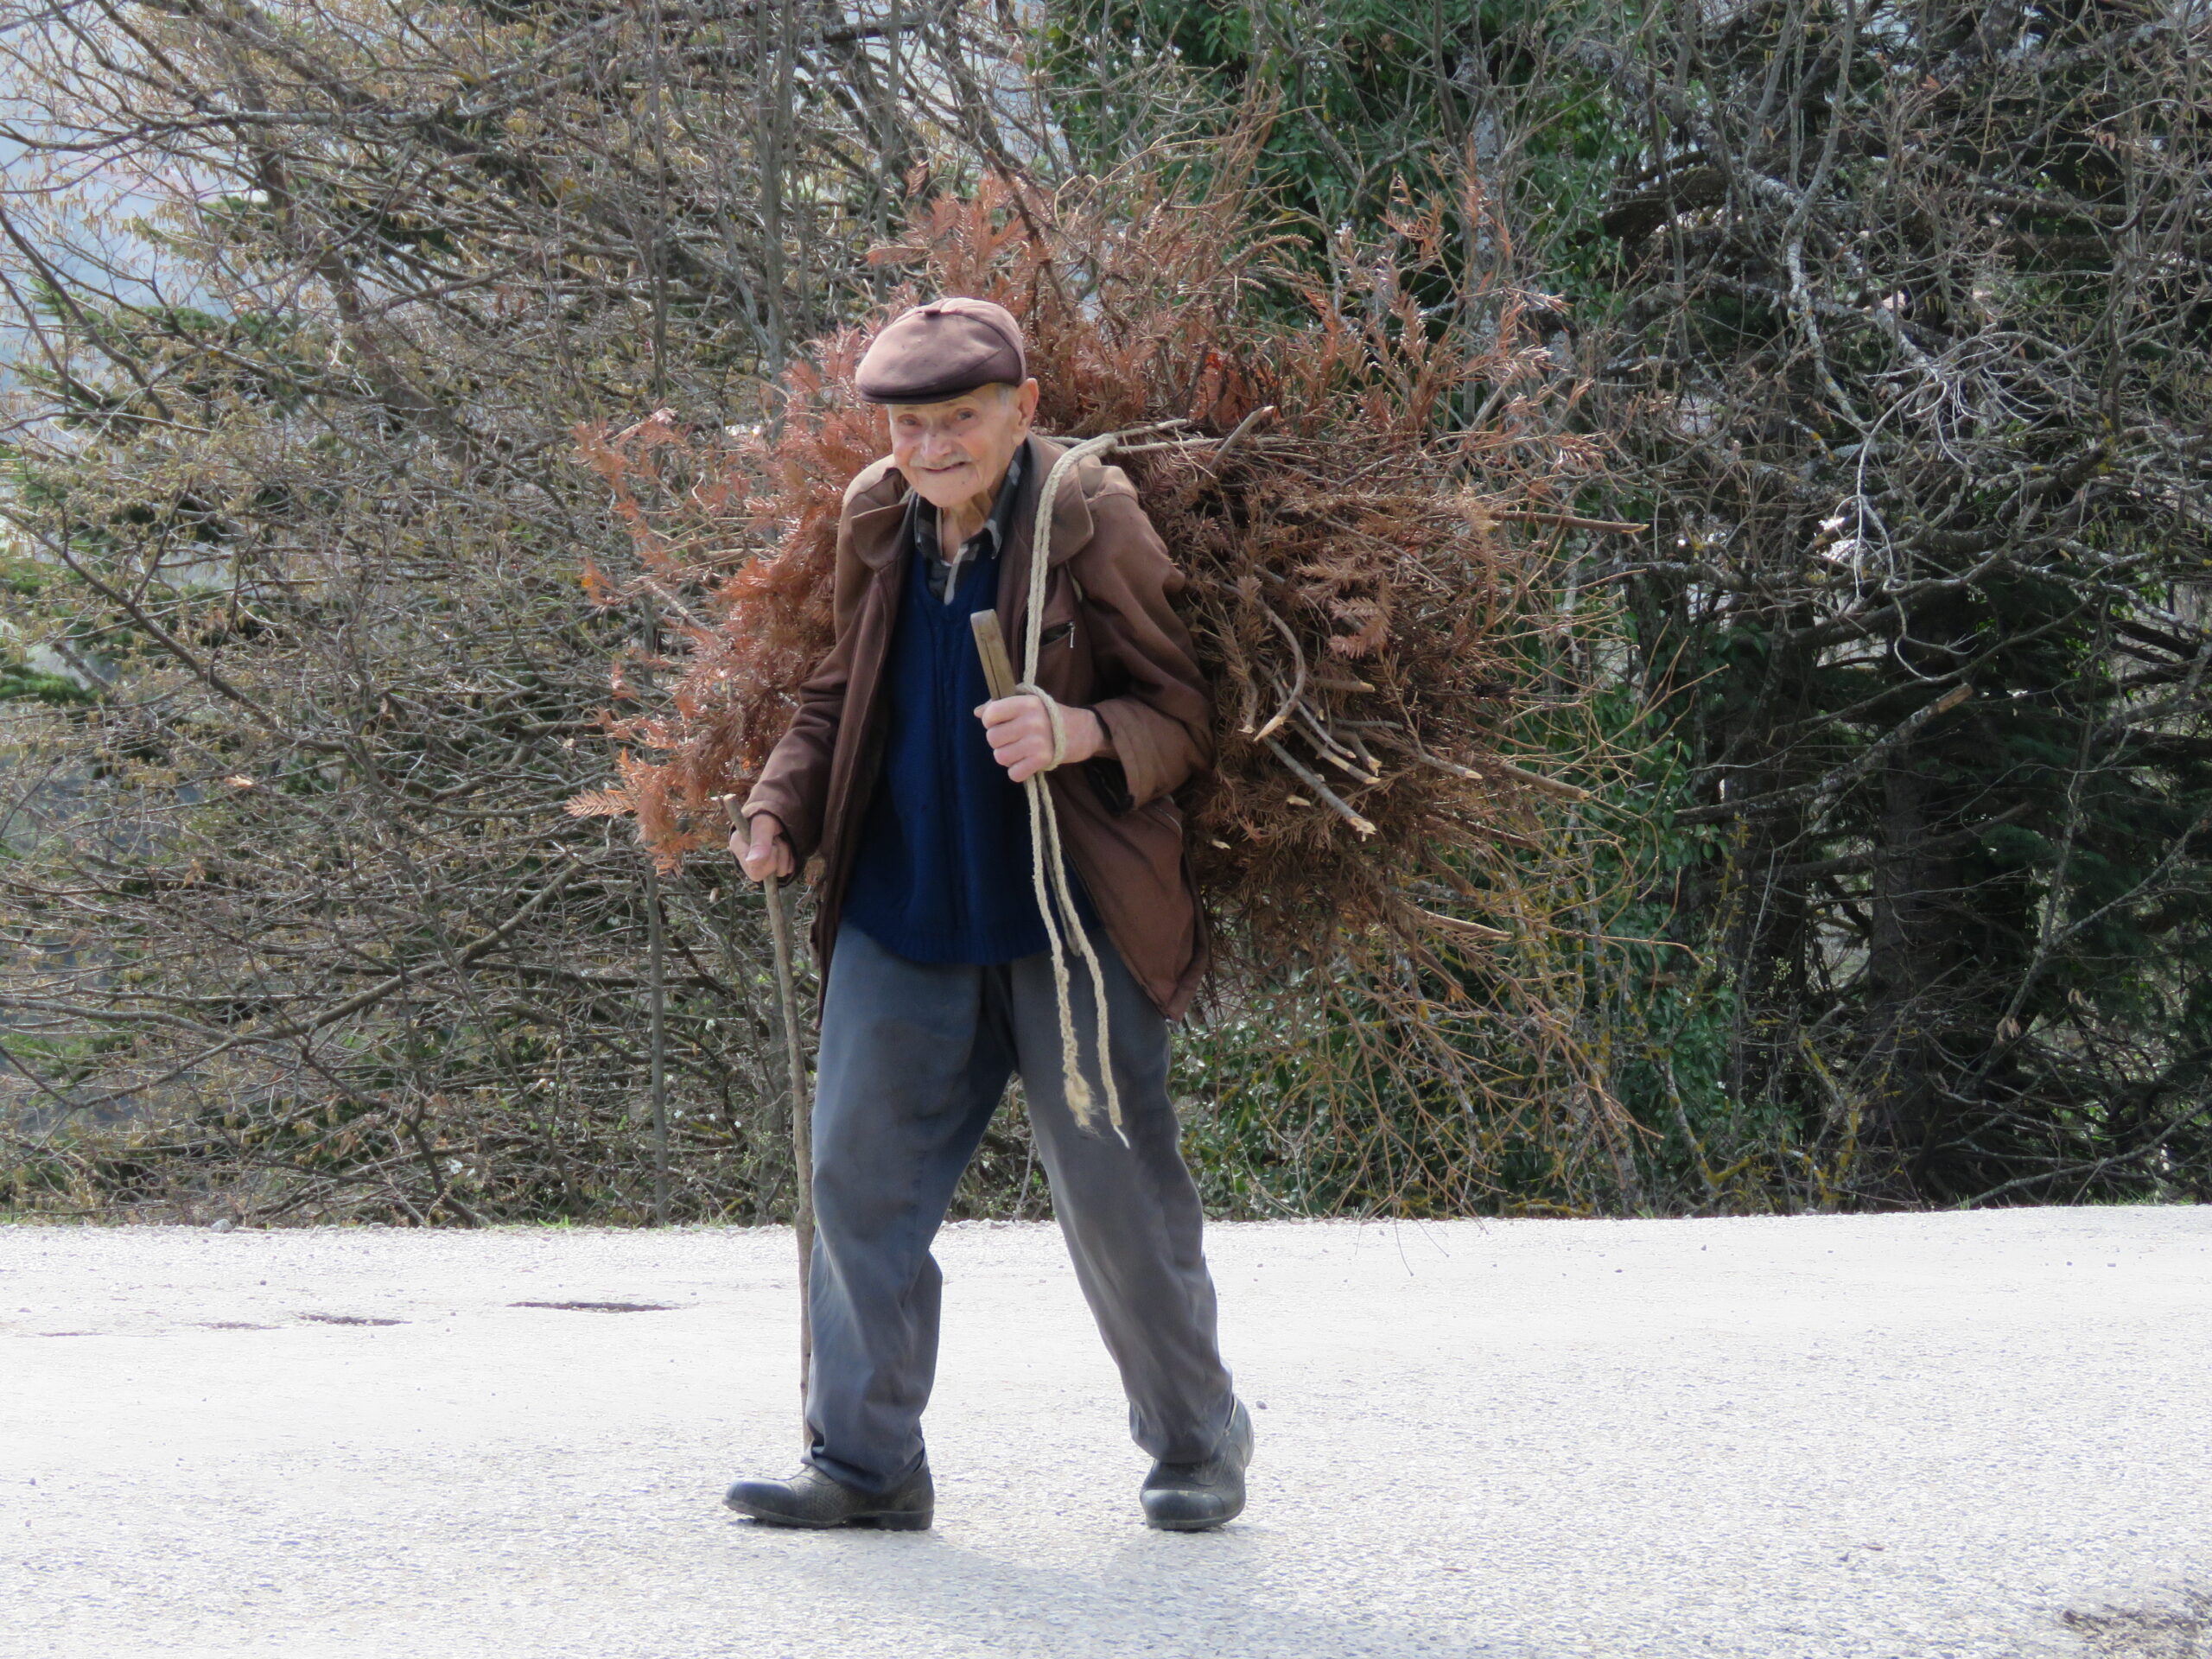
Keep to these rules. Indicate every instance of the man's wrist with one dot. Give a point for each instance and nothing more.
(1100, 738)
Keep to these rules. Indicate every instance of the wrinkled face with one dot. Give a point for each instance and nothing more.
(954, 451)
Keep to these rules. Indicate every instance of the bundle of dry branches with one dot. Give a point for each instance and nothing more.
(1352, 460)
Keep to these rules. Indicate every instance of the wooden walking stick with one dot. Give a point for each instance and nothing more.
(779, 928)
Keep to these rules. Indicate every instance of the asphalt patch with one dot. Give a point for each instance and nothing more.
(2181, 1630)
(346, 1319)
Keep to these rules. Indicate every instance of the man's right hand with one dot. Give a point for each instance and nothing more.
(762, 849)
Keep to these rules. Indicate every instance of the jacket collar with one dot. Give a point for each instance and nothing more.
(878, 531)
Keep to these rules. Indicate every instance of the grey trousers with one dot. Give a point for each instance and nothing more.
(914, 1058)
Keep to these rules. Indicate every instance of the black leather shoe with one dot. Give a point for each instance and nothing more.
(810, 1499)
(1192, 1496)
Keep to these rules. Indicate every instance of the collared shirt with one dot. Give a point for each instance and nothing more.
(986, 543)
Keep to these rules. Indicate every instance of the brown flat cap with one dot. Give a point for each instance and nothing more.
(940, 350)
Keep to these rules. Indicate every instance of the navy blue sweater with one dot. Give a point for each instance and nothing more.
(942, 871)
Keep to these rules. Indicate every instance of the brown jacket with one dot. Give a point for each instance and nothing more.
(1113, 644)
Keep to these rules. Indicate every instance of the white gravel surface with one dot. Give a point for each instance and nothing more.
(1907, 1436)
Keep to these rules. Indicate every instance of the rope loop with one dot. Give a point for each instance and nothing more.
(1055, 716)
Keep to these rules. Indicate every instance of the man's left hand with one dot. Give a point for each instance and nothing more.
(1022, 735)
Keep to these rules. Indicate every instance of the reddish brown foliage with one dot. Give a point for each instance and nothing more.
(1355, 603)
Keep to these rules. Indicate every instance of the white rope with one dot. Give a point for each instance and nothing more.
(1045, 853)
(1048, 869)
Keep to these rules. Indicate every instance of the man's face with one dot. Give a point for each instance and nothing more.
(954, 451)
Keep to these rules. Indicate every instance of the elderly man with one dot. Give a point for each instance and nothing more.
(904, 775)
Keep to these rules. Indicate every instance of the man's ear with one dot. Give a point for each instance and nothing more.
(1025, 396)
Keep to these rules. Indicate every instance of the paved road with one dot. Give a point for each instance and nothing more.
(1895, 1437)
